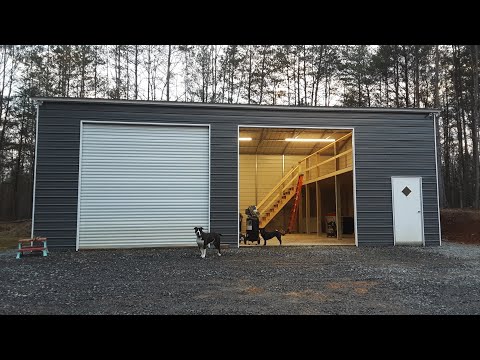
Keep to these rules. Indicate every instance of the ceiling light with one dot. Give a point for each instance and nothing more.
(310, 140)
(245, 139)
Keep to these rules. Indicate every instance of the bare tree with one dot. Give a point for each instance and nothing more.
(169, 63)
(474, 53)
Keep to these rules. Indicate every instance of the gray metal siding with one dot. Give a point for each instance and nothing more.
(386, 144)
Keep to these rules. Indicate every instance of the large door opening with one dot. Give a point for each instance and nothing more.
(301, 181)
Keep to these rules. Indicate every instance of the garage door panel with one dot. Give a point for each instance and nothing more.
(142, 185)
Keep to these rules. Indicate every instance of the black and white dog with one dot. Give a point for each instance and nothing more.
(204, 239)
(267, 235)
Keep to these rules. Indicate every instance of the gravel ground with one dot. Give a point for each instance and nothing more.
(255, 280)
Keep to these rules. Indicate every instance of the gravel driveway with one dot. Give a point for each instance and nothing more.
(255, 280)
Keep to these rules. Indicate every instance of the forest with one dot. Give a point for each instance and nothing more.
(443, 77)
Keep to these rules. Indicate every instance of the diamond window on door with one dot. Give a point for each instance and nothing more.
(406, 191)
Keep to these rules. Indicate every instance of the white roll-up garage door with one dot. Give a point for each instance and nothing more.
(142, 185)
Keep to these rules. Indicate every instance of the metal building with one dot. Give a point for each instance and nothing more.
(119, 173)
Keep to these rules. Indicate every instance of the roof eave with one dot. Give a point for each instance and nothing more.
(234, 106)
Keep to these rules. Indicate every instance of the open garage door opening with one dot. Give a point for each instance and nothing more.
(299, 182)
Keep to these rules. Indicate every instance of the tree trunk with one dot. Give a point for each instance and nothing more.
(249, 89)
(169, 62)
(466, 174)
(127, 71)
(416, 102)
(287, 61)
(118, 72)
(397, 80)
(136, 72)
(69, 68)
(214, 74)
(317, 77)
(461, 172)
(224, 75)
(7, 107)
(47, 72)
(299, 99)
(405, 54)
(474, 53)
(232, 73)
(186, 81)
(262, 76)
(359, 85)
(446, 154)
(149, 67)
(82, 72)
(441, 187)
(4, 74)
(95, 80)
(18, 165)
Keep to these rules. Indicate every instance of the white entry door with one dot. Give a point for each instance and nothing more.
(407, 210)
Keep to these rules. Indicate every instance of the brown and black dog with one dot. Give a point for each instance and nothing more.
(267, 235)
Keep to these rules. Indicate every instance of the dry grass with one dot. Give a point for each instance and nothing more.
(10, 232)
(461, 225)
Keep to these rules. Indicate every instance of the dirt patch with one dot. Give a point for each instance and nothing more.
(253, 290)
(362, 287)
(334, 285)
(307, 294)
(461, 225)
(10, 232)
(359, 287)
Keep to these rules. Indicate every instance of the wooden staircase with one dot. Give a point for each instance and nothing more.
(294, 212)
(312, 169)
(278, 197)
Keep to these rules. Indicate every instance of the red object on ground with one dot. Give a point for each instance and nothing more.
(293, 214)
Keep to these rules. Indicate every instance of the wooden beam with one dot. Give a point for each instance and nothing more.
(329, 145)
(307, 209)
(326, 161)
(338, 210)
(256, 178)
(332, 174)
(346, 142)
(338, 202)
(300, 211)
(319, 208)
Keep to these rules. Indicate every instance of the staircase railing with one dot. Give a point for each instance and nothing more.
(277, 192)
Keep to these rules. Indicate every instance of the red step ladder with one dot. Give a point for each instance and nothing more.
(294, 212)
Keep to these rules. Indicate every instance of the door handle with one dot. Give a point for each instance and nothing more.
(418, 211)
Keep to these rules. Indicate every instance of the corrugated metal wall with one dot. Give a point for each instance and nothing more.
(386, 144)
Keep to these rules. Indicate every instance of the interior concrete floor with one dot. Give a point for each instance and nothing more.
(306, 240)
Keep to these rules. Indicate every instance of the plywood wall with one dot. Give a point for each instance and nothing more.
(247, 185)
